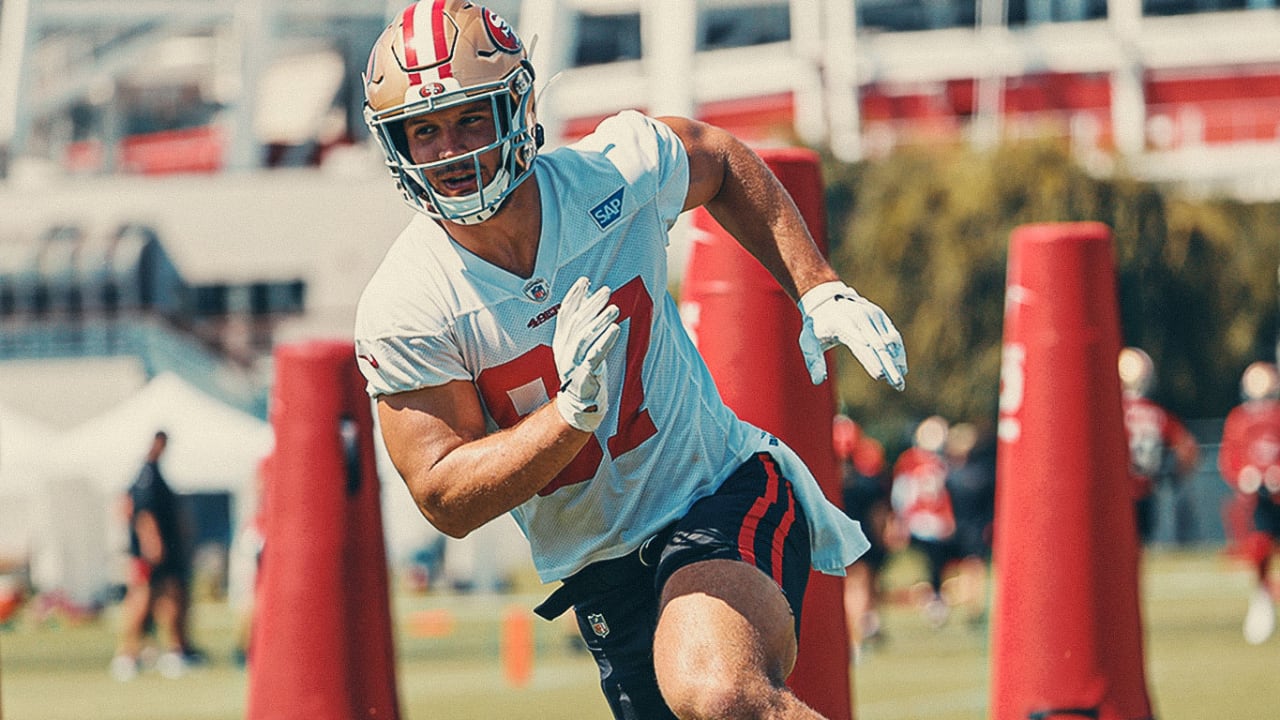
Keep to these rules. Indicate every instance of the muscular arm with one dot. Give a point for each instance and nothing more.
(460, 477)
(149, 543)
(748, 201)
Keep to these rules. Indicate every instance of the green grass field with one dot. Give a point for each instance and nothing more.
(1198, 666)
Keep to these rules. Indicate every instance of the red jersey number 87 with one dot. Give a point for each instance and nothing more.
(634, 424)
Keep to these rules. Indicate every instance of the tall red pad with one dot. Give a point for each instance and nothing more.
(746, 328)
(1066, 626)
(322, 646)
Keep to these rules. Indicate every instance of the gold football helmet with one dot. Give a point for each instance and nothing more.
(441, 53)
(1137, 371)
(1260, 381)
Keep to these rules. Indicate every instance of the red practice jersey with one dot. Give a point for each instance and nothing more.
(1160, 446)
(1250, 454)
(920, 495)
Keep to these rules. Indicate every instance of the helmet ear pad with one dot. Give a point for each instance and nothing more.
(539, 134)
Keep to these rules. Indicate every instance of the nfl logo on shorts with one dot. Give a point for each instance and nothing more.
(598, 625)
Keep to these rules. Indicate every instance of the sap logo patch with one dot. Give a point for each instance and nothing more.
(608, 211)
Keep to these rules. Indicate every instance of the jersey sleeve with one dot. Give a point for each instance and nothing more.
(401, 363)
(399, 350)
(673, 185)
(649, 154)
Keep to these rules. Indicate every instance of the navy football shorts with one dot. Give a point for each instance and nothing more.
(753, 517)
(1266, 513)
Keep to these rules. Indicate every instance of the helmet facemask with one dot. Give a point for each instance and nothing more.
(516, 142)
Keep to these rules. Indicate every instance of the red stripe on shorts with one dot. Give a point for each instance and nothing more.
(780, 537)
(751, 524)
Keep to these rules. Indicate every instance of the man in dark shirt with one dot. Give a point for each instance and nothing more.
(159, 573)
(971, 483)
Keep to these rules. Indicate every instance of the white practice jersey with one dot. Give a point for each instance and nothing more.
(434, 312)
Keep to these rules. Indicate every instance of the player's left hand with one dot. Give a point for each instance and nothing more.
(586, 329)
(835, 314)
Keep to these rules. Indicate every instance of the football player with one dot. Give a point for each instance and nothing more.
(923, 506)
(1249, 460)
(1162, 452)
(971, 484)
(526, 359)
(865, 491)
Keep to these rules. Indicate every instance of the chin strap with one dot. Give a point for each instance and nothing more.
(459, 206)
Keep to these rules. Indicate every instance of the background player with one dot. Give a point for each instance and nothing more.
(1162, 452)
(971, 486)
(865, 491)
(526, 359)
(1249, 460)
(923, 506)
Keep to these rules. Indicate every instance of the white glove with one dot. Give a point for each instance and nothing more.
(836, 314)
(585, 330)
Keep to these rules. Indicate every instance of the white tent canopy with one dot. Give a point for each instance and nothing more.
(26, 445)
(59, 492)
(212, 446)
(54, 524)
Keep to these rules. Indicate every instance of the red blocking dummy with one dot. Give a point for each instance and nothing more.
(746, 328)
(1066, 627)
(322, 647)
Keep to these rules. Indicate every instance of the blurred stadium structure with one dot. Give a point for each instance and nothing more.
(96, 92)
(184, 185)
(1186, 88)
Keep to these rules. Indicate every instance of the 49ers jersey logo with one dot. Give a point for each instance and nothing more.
(503, 37)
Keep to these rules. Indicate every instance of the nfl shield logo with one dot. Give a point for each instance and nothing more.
(537, 290)
(598, 625)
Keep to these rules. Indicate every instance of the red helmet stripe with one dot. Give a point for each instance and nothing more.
(442, 45)
(410, 52)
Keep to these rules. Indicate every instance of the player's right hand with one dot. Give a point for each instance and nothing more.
(835, 314)
(585, 331)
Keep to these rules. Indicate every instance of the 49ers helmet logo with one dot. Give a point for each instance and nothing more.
(431, 88)
(503, 37)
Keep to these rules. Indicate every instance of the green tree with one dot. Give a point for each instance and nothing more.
(925, 232)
